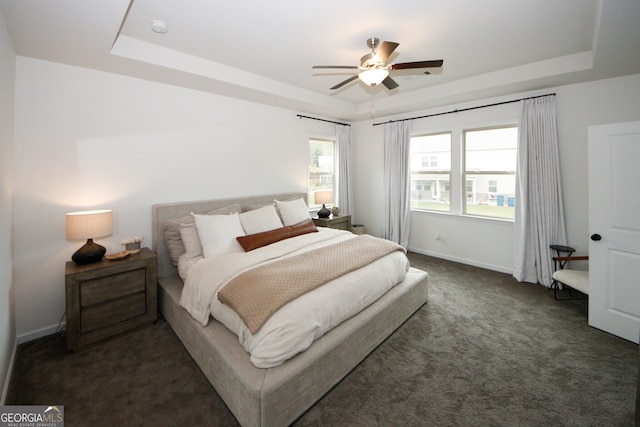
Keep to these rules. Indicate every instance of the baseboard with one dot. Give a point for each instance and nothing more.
(7, 380)
(39, 333)
(491, 267)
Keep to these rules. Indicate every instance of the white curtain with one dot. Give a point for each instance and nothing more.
(539, 214)
(396, 182)
(345, 193)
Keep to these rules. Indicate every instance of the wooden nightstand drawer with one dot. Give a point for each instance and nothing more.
(101, 315)
(341, 226)
(110, 297)
(340, 222)
(105, 288)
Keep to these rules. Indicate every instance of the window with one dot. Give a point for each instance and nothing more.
(465, 171)
(321, 172)
(430, 163)
(490, 158)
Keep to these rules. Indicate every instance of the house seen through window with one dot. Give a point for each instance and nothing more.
(322, 176)
(488, 159)
(430, 164)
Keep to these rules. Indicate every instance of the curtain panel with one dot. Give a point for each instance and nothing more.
(343, 149)
(539, 215)
(396, 182)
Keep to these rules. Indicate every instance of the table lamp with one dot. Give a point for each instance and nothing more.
(323, 197)
(89, 225)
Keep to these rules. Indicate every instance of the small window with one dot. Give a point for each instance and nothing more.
(322, 176)
(430, 164)
(490, 159)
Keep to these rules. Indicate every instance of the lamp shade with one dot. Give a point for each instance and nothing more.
(89, 224)
(374, 76)
(323, 197)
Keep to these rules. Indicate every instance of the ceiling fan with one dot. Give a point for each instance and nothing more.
(374, 68)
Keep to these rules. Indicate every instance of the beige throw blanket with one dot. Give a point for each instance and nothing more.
(258, 293)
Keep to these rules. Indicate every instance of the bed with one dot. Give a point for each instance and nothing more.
(277, 395)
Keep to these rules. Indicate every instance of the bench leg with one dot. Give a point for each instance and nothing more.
(555, 285)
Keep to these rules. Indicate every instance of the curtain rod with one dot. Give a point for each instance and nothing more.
(323, 120)
(466, 109)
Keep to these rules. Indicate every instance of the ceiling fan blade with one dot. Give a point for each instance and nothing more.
(390, 83)
(349, 80)
(385, 50)
(418, 64)
(345, 67)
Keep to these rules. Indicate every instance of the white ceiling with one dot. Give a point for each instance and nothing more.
(263, 51)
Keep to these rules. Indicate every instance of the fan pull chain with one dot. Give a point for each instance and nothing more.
(373, 106)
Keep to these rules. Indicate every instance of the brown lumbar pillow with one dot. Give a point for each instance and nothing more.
(258, 240)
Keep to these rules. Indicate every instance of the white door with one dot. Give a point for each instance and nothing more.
(614, 227)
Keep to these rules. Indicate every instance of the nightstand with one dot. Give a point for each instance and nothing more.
(109, 297)
(340, 222)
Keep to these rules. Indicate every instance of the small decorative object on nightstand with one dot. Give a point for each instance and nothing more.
(335, 211)
(132, 244)
(110, 297)
(342, 222)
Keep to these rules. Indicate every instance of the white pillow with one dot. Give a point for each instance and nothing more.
(218, 233)
(258, 220)
(293, 211)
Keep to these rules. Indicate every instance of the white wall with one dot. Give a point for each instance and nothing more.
(581, 106)
(488, 243)
(86, 139)
(7, 305)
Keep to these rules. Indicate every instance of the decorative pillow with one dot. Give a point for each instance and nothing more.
(258, 220)
(218, 233)
(172, 237)
(258, 240)
(293, 211)
(190, 240)
(192, 248)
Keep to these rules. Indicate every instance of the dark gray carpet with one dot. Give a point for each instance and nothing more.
(484, 351)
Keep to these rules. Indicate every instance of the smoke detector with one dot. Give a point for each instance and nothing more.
(158, 26)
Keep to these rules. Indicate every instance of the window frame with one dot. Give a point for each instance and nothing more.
(465, 173)
(446, 173)
(310, 192)
(458, 173)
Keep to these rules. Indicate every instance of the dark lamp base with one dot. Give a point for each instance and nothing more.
(89, 253)
(323, 212)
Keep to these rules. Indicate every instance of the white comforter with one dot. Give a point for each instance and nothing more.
(294, 327)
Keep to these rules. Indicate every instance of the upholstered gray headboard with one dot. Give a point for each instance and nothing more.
(163, 212)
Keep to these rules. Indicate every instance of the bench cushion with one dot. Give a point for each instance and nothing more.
(576, 279)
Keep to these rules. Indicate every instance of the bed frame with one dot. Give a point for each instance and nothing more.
(275, 396)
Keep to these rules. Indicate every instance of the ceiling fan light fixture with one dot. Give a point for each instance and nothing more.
(374, 76)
